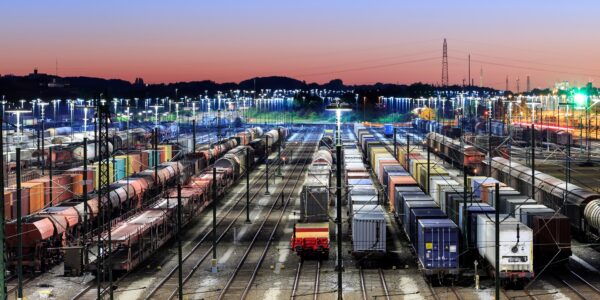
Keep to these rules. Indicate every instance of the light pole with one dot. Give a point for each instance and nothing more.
(18, 113)
(338, 108)
(156, 108)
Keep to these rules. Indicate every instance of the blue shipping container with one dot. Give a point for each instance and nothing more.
(386, 178)
(400, 202)
(119, 168)
(410, 205)
(360, 181)
(472, 208)
(473, 212)
(417, 214)
(388, 130)
(438, 246)
(476, 182)
(402, 191)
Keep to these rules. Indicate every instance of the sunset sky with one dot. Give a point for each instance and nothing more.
(357, 41)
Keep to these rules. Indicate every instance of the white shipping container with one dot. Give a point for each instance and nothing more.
(438, 185)
(317, 180)
(369, 230)
(443, 192)
(516, 243)
(519, 209)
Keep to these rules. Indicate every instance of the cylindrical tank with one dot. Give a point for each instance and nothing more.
(592, 213)
(229, 162)
(322, 157)
(91, 151)
(273, 138)
(258, 131)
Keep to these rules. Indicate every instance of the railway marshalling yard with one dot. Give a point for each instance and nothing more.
(254, 259)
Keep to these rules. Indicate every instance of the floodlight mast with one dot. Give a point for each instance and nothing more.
(338, 108)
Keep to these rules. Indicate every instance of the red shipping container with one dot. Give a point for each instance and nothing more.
(90, 178)
(7, 204)
(144, 158)
(551, 239)
(46, 182)
(24, 202)
(61, 188)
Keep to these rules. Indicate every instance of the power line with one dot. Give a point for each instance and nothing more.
(368, 67)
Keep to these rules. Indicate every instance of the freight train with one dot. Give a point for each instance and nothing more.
(520, 132)
(463, 156)
(310, 237)
(580, 205)
(55, 219)
(140, 236)
(435, 222)
(368, 223)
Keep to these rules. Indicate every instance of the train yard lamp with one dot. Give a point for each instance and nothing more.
(588, 111)
(3, 106)
(42, 110)
(177, 119)
(569, 137)
(55, 107)
(18, 113)
(339, 108)
(2, 212)
(71, 104)
(86, 108)
(156, 108)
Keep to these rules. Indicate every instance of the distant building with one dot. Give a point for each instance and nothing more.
(56, 83)
(562, 86)
(139, 81)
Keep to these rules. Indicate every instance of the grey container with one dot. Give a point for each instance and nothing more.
(369, 230)
(314, 199)
(358, 200)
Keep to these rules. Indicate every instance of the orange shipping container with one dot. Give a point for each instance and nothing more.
(404, 180)
(61, 188)
(76, 184)
(36, 195)
(144, 156)
(46, 182)
(24, 201)
(383, 163)
(485, 187)
(7, 202)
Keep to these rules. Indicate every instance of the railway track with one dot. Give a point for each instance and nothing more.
(195, 258)
(12, 284)
(579, 285)
(303, 287)
(367, 279)
(165, 284)
(240, 282)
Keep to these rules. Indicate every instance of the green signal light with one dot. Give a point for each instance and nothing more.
(580, 100)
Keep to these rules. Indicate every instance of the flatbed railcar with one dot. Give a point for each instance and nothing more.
(311, 240)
